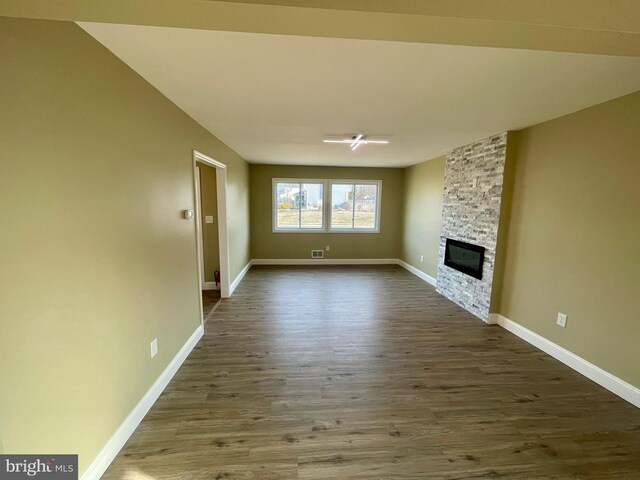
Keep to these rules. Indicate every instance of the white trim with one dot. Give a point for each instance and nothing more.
(325, 261)
(612, 383)
(201, 157)
(376, 228)
(240, 276)
(353, 230)
(209, 286)
(223, 235)
(223, 221)
(274, 205)
(104, 458)
(198, 215)
(418, 273)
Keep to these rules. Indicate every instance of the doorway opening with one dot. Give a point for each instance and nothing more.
(210, 182)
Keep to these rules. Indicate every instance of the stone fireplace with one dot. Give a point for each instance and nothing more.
(473, 185)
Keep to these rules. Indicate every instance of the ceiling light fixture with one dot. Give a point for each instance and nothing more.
(355, 141)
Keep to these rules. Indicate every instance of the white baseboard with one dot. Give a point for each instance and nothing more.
(325, 261)
(240, 276)
(209, 286)
(104, 458)
(418, 273)
(612, 383)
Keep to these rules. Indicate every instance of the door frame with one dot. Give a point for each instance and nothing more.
(199, 230)
(223, 220)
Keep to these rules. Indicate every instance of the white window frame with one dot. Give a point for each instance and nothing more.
(376, 228)
(274, 209)
(327, 205)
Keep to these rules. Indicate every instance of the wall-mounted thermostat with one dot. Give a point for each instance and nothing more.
(188, 214)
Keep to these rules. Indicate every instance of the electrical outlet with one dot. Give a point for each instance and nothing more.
(562, 320)
(327, 248)
(422, 258)
(154, 347)
(208, 219)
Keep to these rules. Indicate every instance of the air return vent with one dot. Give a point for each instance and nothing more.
(317, 253)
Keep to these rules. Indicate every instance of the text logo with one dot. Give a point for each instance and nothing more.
(45, 467)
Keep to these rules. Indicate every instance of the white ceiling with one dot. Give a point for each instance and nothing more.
(273, 98)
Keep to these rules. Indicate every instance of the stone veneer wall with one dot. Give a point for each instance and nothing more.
(470, 213)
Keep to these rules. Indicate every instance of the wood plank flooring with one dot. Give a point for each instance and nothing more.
(367, 373)
(209, 300)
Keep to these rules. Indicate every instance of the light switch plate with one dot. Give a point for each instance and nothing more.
(562, 320)
(208, 219)
(154, 347)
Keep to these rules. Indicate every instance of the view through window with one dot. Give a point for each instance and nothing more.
(350, 206)
(299, 206)
(353, 206)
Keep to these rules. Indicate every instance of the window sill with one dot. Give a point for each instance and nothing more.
(322, 231)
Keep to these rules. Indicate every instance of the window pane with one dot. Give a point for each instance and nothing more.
(311, 199)
(365, 205)
(341, 206)
(288, 201)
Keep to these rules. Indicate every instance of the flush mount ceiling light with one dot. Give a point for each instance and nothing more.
(355, 141)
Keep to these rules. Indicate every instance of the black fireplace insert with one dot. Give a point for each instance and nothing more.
(464, 257)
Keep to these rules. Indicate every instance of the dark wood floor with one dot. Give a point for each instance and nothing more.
(368, 373)
(209, 300)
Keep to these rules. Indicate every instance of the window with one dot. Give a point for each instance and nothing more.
(298, 205)
(354, 206)
(351, 206)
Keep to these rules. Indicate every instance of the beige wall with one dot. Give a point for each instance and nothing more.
(95, 170)
(96, 167)
(266, 244)
(423, 189)
(209, 204)
(574, 235)
(569, 237)
(504, 220)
